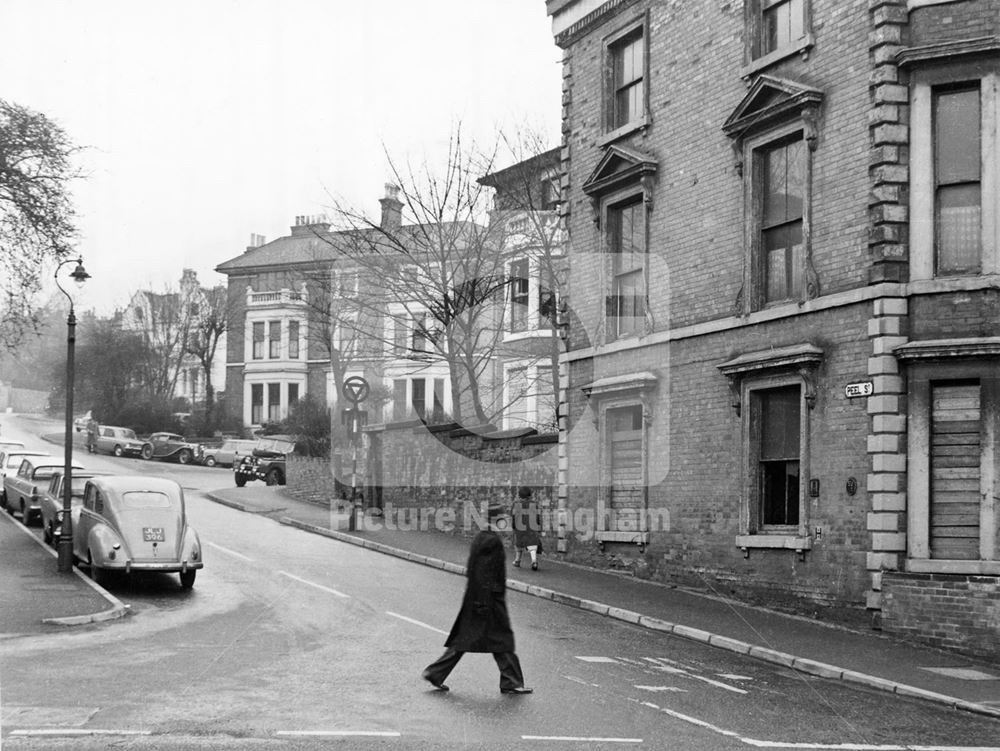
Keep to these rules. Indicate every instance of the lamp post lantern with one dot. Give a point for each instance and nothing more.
(79, 275)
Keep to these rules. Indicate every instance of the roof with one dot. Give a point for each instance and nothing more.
(129, 483)
(309, 245)
(537, 163)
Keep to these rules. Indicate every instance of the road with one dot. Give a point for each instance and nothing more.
(290, 640)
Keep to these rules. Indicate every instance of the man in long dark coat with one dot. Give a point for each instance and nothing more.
(483, 624)
(526, 523)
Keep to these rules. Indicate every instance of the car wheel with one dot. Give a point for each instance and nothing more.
(98, 574)
(118, 451)
(273, 477)
(184, 457)
(209, 461)
(240, 481)
(187, 578)
(147, 451)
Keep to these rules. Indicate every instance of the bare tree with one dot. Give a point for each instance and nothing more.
(36, 214)
(439, 276)
(206, 328)
(164, 321)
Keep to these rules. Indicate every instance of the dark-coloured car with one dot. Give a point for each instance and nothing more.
(172, 447)
(51, 503)
(136, 523)
(267, 462)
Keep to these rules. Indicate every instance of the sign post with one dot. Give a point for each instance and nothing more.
(355, 390)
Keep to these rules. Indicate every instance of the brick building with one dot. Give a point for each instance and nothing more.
(782, 367)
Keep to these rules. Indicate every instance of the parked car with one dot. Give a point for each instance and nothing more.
(136, 523)
(51, 502)
(171, 446)
(80, 423)
(23, 490)
(229, 453)
(10, 462)
(266, 462)
(118, 441)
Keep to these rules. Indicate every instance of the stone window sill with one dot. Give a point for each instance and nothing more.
(624, 130)
(939, 566)
(801, 46)
(774, 542)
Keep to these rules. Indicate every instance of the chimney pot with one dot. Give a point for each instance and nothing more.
(392, 208)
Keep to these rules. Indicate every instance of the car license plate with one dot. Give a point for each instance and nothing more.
(153, 534)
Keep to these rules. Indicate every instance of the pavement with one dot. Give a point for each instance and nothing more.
(864, 657)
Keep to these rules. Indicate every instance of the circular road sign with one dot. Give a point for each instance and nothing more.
(356, 389)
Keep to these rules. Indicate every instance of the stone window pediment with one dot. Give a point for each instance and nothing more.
(769, 102)
(803, 359)
(621, 167)
(948, 349)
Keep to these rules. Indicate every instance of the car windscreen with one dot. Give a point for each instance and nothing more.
(138, 499)
(128, 434)
(45, 473)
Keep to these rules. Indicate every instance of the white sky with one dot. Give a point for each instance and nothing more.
(209, 120)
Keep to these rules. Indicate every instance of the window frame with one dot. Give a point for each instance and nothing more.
(294, 340)
(757, 59)
(611, 44)
(611, 207)
(924, 81)
(756, 269)
(753, 531)
(274, 344)
(257, 343)
(920, 379)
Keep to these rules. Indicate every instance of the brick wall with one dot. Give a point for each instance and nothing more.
(944, 610)
(951, 22)
(451, 468)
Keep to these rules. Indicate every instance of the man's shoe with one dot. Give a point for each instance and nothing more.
(534, 567)
(427, 677)
(517, 690)
(517, 564)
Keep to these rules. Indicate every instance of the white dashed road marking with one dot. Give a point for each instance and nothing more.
(227, 551)
(579, 739)
(416, 622)
(313, 584)
(663, 688)
(73, 732)
(339, 733)
(611, 660)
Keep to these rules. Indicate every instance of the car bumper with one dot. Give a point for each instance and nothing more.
(166, 567)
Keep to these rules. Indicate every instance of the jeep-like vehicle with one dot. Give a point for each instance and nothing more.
(266, 462)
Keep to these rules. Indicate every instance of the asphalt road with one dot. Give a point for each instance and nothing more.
(289, 640)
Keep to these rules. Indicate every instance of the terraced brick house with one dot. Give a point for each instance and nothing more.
(784, 263)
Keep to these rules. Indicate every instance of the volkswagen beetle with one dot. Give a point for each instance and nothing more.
(136, 523)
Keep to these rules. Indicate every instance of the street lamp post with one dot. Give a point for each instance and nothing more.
(79, 275)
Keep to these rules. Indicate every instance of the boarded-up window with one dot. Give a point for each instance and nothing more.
(955, 470)
(626, 493)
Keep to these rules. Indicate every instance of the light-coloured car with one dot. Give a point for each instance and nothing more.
(10, 445)
(51, 503)
(229, 453)
(10, 462)
(136, 523)
(118, 441)
(23, 489)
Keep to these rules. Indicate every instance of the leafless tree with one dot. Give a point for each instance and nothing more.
(439, 274)
(164, 321)
(206, 328)
(36, 214)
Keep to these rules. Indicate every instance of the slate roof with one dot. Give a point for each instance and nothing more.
(303, 247)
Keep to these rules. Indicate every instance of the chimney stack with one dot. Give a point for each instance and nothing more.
(255, 241)
(392, 208)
